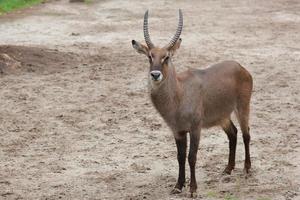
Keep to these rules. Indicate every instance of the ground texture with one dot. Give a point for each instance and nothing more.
(76, 121)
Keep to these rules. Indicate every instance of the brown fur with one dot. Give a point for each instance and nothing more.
(197, 99)
(205, 97)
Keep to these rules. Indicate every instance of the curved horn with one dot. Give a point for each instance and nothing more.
(178, 32)
(146, 32)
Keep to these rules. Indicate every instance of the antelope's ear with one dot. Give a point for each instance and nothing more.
(140, 48)
(175, 47)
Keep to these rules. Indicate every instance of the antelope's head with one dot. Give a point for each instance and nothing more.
(158, 57)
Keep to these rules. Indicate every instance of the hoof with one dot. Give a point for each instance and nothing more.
(176, 191)
(247, 167)
(247, 172)
(227, 171)
(192, 195)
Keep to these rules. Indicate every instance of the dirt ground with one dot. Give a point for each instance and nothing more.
(76, 121)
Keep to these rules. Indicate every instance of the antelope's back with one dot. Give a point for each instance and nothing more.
(222, 86)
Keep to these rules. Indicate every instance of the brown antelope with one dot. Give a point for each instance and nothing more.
(196, 99)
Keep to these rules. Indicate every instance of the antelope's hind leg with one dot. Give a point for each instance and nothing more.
(231, 132)
(194, 144)
(242, 114)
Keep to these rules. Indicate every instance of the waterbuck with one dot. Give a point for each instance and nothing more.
(196, 99)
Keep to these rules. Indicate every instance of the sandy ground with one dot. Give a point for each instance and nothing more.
(76, 121)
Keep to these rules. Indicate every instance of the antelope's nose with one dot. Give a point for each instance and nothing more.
(155, 74)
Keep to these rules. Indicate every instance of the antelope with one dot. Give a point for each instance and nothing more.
(196, 99)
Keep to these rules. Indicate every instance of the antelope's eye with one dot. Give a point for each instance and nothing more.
(165, 59)
(150, 56)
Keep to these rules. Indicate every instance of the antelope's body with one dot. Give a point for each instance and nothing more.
(207, 96)
(196, 99)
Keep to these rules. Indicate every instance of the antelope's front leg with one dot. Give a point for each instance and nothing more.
(194, 143)
(181, 143)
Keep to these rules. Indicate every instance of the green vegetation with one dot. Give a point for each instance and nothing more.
(230, 197)
(211, 194)
(10, 5)
(214, 195)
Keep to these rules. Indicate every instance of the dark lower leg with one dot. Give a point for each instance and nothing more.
(194, 143)
(181, 157)
(246, 138)
(231, 132)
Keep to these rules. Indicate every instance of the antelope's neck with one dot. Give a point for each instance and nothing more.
(165, 97)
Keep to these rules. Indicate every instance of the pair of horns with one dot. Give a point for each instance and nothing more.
(175, 37)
